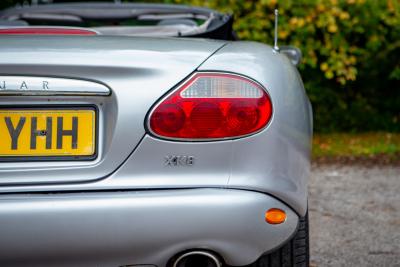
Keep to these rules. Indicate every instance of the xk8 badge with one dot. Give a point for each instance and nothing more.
(179, 160)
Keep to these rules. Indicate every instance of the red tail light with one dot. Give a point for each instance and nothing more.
(47, 31)
(212, 106)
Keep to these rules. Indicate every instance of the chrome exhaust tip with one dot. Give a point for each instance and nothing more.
(197, 259)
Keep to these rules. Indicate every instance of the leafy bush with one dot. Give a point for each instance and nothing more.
(351, 49)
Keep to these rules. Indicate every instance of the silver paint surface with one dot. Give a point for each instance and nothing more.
(148, 227)
(272, 165)
(276, 160)
(138, 71)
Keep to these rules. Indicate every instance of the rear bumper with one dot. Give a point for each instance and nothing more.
(141, 227)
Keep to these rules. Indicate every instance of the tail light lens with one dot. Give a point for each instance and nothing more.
(212, 106)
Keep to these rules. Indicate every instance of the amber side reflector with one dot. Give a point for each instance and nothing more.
(275, 216)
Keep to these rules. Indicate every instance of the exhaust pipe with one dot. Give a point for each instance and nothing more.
(197, 259)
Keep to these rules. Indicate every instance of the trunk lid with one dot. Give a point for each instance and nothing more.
(136, 71)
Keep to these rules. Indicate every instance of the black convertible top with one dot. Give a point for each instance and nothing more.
(134, 19)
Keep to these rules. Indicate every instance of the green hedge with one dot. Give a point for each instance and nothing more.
(351, 48)
(351, 64)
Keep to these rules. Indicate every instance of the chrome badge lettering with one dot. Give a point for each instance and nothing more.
(15, 85)
(25, 85)
(179, 161)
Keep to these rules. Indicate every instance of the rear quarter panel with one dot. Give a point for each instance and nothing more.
(276, 160)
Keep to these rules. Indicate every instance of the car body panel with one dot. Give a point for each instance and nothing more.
(274, 161)
(129, 205)
(137, 70)
(143, 227)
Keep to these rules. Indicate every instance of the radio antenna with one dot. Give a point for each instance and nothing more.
(276, 47)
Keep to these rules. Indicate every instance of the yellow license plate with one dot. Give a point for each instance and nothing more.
(47, 133)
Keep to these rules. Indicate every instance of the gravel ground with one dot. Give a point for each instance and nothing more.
(355, 216)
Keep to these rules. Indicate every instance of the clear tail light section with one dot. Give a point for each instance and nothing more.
(211, 106)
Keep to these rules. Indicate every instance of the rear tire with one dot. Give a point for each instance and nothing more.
(294, 253)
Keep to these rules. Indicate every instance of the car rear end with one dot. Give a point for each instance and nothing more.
(132, 151)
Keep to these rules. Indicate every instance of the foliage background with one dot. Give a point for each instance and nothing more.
(351, 54)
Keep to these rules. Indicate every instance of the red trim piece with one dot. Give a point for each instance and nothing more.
(46, 31)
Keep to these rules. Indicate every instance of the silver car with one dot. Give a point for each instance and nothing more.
(124, 144)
